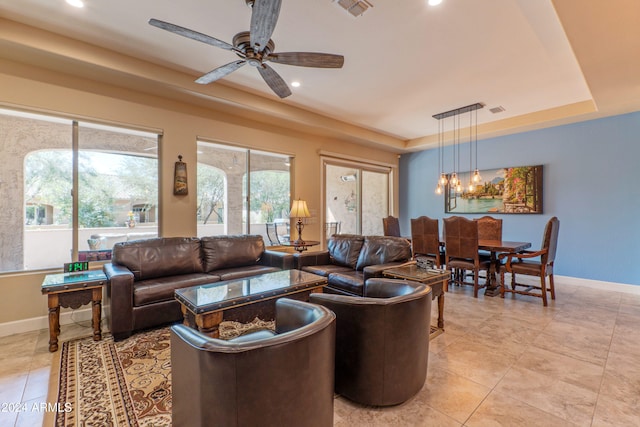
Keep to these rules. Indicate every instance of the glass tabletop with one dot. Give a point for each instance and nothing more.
(70, 280)
(413, 272)
(203, 298)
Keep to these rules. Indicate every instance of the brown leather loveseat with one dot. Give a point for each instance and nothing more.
(144, 274)
(350, 260)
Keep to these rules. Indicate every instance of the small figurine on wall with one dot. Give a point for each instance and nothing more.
(180, 187)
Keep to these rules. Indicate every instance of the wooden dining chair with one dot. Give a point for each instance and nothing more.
(391, 226)
(525, 263)
(489, 228)
(425, 240)
(461, 246)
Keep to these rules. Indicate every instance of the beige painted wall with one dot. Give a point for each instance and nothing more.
(29, 87)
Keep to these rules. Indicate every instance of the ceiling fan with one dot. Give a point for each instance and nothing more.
(256, 48)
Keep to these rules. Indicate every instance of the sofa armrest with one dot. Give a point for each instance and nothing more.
(312, 258)
(376, 270)
(120, 299)
(281, 260)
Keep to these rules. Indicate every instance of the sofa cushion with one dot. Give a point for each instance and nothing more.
(242, 272)
(325, 270)
(159, 289)
(344, 249)
(231, 251)
(159, 257)
(383, 250)
(351, 283)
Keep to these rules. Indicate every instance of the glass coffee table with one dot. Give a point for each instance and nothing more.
(437, 279)
(204, 306)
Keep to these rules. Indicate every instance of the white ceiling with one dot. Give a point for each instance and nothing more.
(404, 60)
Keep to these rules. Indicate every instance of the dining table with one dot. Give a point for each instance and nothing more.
(495, 247)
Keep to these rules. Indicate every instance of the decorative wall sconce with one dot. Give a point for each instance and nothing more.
(180, 187)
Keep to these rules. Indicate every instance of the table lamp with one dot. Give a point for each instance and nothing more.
(299, 210)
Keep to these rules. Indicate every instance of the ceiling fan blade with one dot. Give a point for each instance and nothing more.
(274, 81)
(220, 72)
(308, 59)
(185, 32)
(263, 21)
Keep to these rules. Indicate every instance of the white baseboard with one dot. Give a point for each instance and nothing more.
(598, 284)
(42, 322)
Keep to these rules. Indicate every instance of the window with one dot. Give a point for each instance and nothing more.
(240, 190)
(356, 196)
(116, 174)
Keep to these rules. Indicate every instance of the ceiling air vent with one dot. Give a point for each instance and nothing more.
(354, 7)
(496, 110)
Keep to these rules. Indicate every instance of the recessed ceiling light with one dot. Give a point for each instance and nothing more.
(434, 2)
(295, 84)
(76, 3)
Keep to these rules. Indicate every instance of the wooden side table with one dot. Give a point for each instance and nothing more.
(72, 290)
(437, 279)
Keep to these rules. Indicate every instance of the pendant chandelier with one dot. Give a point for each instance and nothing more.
(453, 180)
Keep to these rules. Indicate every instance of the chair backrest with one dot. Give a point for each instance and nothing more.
(283, 231)
(390, 367)
(425, 237)
(272, 234)
(489, 228)
(461, 238)
(391, 226)
(331, 228)
(550, 240)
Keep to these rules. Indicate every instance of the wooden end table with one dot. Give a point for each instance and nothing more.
(72, 290)
(437, 279)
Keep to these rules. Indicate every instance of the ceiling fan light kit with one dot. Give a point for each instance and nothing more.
(256, 48)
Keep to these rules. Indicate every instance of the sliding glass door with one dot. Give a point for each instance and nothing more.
(356, 197)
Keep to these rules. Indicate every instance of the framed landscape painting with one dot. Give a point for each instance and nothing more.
(515, 190)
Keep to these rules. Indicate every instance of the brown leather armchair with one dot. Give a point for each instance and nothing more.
(382, 341)
(523, 263)
(263, 378)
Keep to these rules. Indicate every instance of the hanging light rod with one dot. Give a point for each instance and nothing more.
(458, 111)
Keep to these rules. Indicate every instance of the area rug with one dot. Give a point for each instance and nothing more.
(125, 383)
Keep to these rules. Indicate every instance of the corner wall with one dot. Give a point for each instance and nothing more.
(591, 183)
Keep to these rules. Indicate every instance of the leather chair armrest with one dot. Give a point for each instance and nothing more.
(281, 260)
(373, 271)
(312, 258)
(519, 256)
(300, 319)
(120, 299)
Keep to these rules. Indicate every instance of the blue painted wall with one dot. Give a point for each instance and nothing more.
(591, 183)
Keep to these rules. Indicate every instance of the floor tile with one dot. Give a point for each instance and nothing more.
(550, 394)
(614, 413)
(499, 410)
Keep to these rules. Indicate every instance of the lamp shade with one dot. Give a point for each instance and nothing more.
(299, 209)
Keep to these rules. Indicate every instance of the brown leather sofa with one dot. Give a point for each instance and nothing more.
(144, 274)
(352, 259)
(259, 379)
(382, 341)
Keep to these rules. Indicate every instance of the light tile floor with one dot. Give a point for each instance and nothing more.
(508, 362)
